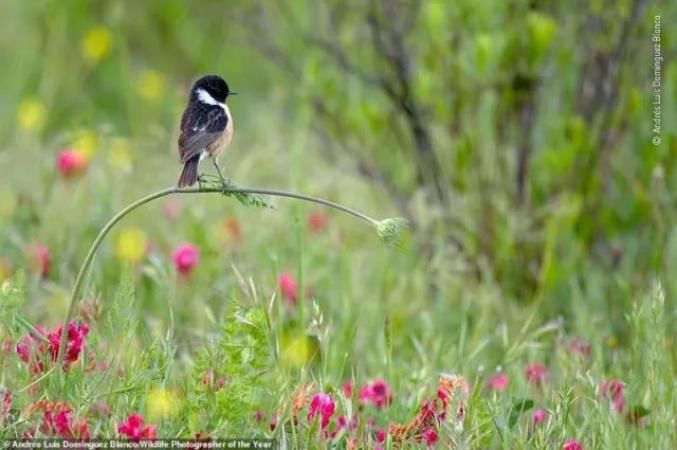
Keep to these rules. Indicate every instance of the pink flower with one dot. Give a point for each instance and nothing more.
(572, 444)
(347, 389)
(136, 429)
(186, 256)
(317, 221)
(342, 423)
(580, 347)
(101, 409)
(324, 405)
(540, 415)
(172, 208)
(614, 390)
(377, 392)
(429, 436)
(498, 382)
(288, 287)
(536, 373)
(40, 259)
(70, 163)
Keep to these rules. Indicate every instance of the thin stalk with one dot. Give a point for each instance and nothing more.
(174, 190)
(309, 198)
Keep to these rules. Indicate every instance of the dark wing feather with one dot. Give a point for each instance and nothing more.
(201, 125)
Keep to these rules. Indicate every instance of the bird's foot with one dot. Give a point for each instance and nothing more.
(201, 179)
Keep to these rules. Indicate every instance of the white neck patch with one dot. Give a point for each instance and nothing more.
(206, 97)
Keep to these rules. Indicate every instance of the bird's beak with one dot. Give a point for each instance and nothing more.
(232, 93)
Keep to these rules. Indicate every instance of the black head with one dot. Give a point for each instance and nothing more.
(214, 85)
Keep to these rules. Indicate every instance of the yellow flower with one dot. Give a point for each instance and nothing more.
(161, 403)
(119, 155)
(8, 202)
(31, 114)
(85, 142)
(131, 245)
(151, 85)
(612, 342)
(96, 44)
(299, 350)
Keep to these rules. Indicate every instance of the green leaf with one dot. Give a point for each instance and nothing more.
(519, 407)
(636, 412)
(244, 198)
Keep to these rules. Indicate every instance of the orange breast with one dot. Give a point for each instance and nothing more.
(217, 147)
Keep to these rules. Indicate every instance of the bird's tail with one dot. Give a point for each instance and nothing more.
(189, 173)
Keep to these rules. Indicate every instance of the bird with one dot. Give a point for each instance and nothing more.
(206, 127)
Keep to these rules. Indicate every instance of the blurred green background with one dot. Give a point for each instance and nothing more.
(515, 136)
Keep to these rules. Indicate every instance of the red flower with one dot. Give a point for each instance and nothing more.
(288, 287)
(381, 435)
(614, 390)
(70, 163)
(136, 429)
(60, 423)
(572, 444)
(40, 259)
(580, 347)
(498, 382)
(317, 221)
(540, 415)
(429, 436)
(186, 256)
(5, 406)
(23, 348)
(536, 373)
(75, 342)
(377, 392)
(202, 436)
(32, 351)
(324, 405)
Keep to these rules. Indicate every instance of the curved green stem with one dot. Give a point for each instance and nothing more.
(308, 198)
(173, 190)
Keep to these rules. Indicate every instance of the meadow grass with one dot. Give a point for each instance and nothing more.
(208, 351)
(213, 320)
